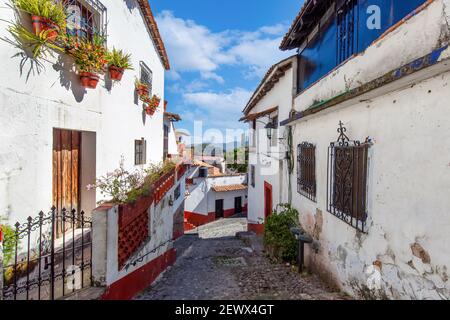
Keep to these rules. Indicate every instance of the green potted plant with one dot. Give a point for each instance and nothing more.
(141, 89)
(90, 59)
(46, 16)
(118, 62)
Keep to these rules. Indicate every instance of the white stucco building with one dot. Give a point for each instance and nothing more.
(371, 137)
(212, 195)
(268, 166)
(58, 137)
(46, 114)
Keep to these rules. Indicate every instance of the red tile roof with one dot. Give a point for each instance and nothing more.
(153, 27)
(234, 187)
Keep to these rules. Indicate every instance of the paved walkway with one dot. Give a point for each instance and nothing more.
(214, 264)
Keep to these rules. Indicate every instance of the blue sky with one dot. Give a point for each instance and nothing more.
(219, 51)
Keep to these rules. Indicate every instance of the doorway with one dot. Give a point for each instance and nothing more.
(268, 203)
(238, 205)
(219, 209)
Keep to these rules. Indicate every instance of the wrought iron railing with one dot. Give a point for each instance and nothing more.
(55, 266)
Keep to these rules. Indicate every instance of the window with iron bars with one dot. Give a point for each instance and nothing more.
(85, 18)
(146, 76)
(347, 19)
(306, 170)
(140, 152)
(347, 180)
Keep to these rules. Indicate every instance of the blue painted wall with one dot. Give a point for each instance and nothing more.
(320, 56)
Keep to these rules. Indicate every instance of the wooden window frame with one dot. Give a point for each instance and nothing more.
(140, 152)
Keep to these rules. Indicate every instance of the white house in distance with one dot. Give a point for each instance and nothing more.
(212, 195)
(57, 137)
(371, 133)
(268, 169)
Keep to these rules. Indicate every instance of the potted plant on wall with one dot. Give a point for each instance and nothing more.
(141, 89)
(90, 59)
(118, 62)
(152, 104)
(46, 16)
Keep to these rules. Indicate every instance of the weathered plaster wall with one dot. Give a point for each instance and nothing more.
(105, 248)
(33, 104)
(409, 163)
(269, 160)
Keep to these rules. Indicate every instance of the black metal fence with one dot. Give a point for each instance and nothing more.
(306, 170)
(46, 266)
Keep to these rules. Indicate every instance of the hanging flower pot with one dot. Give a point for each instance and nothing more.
(43, 24)
(89, 80)
(116, 73)
(142, 90)
(150, 111)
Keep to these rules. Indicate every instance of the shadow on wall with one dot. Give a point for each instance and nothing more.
(68, 78)
(131, 4)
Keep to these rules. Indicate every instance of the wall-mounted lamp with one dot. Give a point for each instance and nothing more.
(269, 127)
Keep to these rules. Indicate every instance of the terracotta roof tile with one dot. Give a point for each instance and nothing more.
(234, 187)
(153, 27)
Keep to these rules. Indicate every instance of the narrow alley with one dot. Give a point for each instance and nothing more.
(221, 261)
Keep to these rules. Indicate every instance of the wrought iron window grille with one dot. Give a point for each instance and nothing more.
(306, 170)
(146, 76)
(86, 18)
(347, 169)
(346, 20)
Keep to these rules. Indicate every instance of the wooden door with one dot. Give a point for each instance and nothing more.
(219, 209)
(66, 171)
(268, 204)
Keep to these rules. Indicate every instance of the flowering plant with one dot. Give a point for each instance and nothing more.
(126, 187)
(90, 56)
(153, 102)
(117, 184)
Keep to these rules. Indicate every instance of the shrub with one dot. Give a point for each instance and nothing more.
(9, 244)
(278, 239)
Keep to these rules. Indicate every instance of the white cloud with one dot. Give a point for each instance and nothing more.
(231, 101)
(195, 48)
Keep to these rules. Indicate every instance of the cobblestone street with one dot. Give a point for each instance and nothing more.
(213, 264)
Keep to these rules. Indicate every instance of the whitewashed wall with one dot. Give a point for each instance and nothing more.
(31, 108)
(408, 189)
(201, 199)
(269, 162)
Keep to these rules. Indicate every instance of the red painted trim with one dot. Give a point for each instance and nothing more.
(137, 281)
(268, 204)
(228, 213)
(256, 228)
(199, 219)
(177, 234)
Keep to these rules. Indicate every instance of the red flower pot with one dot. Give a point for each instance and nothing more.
(89, 80)
(142, 91)
(150, 111)
(43, 24)
(116, 73)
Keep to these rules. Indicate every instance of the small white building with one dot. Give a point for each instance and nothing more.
(268, 166)
(212, 195)
(371, 137)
